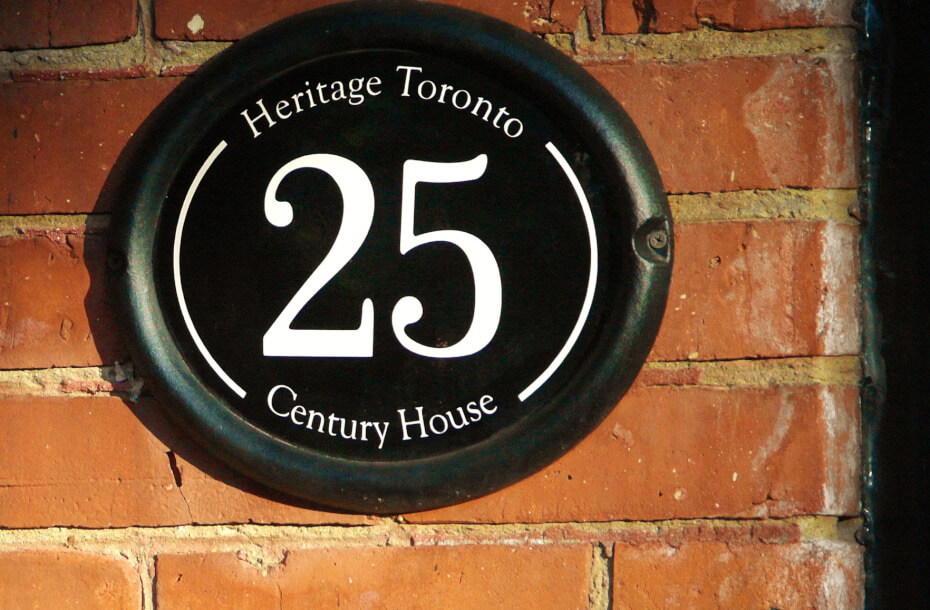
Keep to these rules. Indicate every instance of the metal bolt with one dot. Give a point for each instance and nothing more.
(861, 536)
(658, 239)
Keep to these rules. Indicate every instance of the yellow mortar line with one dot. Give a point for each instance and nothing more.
(702, 44)
(52, 382)
(389, 533)
(705, 44)
(11, 226)
(139, 50)
(111, 56)
(825, 370)
(562, 42)
(128, 53)
(837, 205)
(599, 579)
(178, 53)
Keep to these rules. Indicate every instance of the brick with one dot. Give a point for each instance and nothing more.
(663, 453)
(59, 140)
(215, 494)
(63, 579)
(813, 574)
(761, 290)
(563, 16)
(101, 462)
(27, 24)
(432, 577)
(743, 123)
(53, 302)
(218, 20)
(667, 453)
(752, 290)
(625, 17)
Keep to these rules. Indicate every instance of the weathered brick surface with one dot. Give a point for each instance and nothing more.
(691, 452)
(218, 20)
(53, 302)
(49, 579)
(98, 462)
(32, 24)
(629, 16)
(563, 16)
(816, 574)
(663, 453)
(743, 123)
(756, 289)
(59, 140)
(437, 577)
(726, 124)
(761, 289)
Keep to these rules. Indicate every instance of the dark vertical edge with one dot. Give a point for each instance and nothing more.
(895, 248)
(873, 63)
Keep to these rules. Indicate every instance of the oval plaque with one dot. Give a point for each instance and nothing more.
(390, 256)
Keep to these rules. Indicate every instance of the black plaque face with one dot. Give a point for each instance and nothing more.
(391, 258)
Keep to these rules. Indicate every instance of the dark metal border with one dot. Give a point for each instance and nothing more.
(160, 148)
(895, 122)
(872, 390)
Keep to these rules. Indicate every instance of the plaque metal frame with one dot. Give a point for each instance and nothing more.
(160, 147)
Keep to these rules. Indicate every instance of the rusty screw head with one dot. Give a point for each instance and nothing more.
(658, 239)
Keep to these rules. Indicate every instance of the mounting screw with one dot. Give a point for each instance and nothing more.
(658, 239)
(862, 536)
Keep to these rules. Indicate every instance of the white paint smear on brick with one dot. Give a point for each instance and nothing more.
(777, 135)
(838, 10)
(838, 77)
(834, 590)
(779, 120)
(195, 24)
(791, 6)
(841, 582)
(840, 489)
(756, 286)
(777, 438)
(838, 310)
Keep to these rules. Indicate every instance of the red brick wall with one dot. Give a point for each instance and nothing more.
(729, 476)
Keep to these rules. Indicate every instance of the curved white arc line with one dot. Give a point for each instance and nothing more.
(592, 278)
(235, 387)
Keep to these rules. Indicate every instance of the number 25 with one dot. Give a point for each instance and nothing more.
(359, 206)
